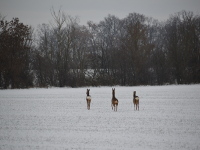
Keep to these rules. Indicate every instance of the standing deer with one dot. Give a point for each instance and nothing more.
(135, 100)
(114, 101)
(88, 99)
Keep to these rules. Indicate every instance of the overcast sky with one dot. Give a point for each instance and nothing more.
(35, 12)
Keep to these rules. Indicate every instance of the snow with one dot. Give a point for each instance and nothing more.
(57, 118)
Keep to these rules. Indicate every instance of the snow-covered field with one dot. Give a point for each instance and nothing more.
(57, 118)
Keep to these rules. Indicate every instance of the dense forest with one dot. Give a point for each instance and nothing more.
(135, 50)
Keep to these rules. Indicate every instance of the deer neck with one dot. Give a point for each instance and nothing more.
(134, 95)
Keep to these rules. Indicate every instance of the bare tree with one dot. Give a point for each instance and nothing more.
(182, 43)
(138, 48)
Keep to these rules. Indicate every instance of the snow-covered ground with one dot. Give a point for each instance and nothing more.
(57, 118)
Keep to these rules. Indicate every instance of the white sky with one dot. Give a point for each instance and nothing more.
(35, 12)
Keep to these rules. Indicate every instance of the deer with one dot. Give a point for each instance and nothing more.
(114, 101)
(88, 99)
(135, 101)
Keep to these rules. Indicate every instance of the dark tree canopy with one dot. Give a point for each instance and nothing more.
(14, 54)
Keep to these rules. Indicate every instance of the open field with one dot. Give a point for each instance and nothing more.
(57, 118)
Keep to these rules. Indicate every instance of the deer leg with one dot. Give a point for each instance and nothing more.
(135, 106)
(87, 104)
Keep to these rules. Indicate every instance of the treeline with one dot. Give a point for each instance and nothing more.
(136, 50)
